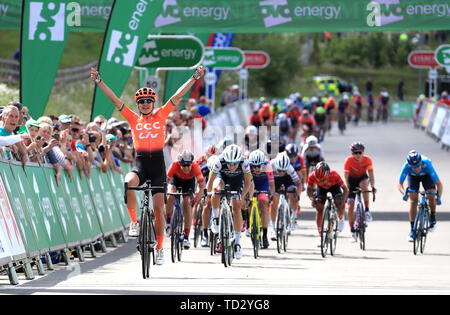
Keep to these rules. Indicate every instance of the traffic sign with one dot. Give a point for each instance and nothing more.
(256, 59)
(422, 59)
(152, 82)
(443, 55)
(171, 52)
(223, 58)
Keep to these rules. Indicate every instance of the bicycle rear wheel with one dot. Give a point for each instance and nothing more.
(198, 224)
(287, 224)
(324, 235)
(144, 244)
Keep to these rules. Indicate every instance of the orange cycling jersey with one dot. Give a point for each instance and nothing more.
(357, 169)
(148, 132)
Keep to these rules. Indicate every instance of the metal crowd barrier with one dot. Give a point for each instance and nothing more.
(435, 121)
(38, 217)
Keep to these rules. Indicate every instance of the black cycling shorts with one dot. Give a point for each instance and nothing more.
(151, 166)
(321, 193)
(353, 183)
(183, 185)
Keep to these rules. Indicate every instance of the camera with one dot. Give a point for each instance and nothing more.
(92, 137)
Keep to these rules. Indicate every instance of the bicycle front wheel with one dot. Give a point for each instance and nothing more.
(418, 230)
(280, 229)
(254, 234)
(144, 244)
(334, 233)
(324, 234)
(426, 225)
(174, 236)
(361, 227)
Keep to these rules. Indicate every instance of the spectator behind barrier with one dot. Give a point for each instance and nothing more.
(10, 120)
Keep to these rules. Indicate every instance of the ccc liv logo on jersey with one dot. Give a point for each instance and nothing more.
(122, 48)
(47, 21)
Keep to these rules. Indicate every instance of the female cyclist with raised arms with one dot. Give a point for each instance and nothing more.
(148, 132)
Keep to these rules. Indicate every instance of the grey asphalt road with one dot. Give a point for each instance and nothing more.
(388, 266)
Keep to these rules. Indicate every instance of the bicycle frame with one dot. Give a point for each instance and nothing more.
(255, 216)
(176, 227)
(360, 216)
(329, 227)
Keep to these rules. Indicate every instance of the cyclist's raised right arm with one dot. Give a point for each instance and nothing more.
(95, 76)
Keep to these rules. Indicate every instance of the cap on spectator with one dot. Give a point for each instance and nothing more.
(32, 122)
(64, 119)
(110, 137)
(235, 87)
(112, 121)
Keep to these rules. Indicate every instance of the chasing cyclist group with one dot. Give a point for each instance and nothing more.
(246, 169)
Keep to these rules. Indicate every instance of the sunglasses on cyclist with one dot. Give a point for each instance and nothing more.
(292, 155)
(357, 152)
(256, 165)
(232, 163)
(146, 100)
(185, 164)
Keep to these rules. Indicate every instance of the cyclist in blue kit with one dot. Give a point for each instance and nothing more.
(418, 169)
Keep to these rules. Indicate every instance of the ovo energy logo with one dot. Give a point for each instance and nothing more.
(122, 49)
(377, 18)
(46, 23)
(166, 17)
(273, 15)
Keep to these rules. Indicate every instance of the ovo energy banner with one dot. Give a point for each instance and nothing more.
(43, 38)
(264, 16)
(125, 36)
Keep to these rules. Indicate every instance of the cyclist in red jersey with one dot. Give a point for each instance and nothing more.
(358, 172)
(326, 181)
(148, 132)
(181, 176)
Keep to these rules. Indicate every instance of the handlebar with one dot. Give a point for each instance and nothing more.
(359, 190)
(423, 193)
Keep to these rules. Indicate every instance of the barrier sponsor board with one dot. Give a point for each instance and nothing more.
(12, 240)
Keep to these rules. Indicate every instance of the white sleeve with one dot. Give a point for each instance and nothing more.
(217, 167)
(9, 140)
(293, 173)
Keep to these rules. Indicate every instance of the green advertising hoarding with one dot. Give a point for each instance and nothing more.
(263, 16)
(43, 37)
(125, 36)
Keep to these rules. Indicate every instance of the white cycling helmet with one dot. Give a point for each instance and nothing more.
(282, 116)
(282, 162)
(212, 160)
(311, 141)
(232, 154)
(257, 157)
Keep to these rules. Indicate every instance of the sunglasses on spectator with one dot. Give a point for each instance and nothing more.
(146, 100)
(75, 130)
(357, 152)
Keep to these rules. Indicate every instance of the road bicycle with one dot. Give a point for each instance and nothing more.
(147, 235)
(177, 227)
(226, 229)
(360, 217)
(255, 225)
(329, 229)
(283, 221)
(422, 220)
